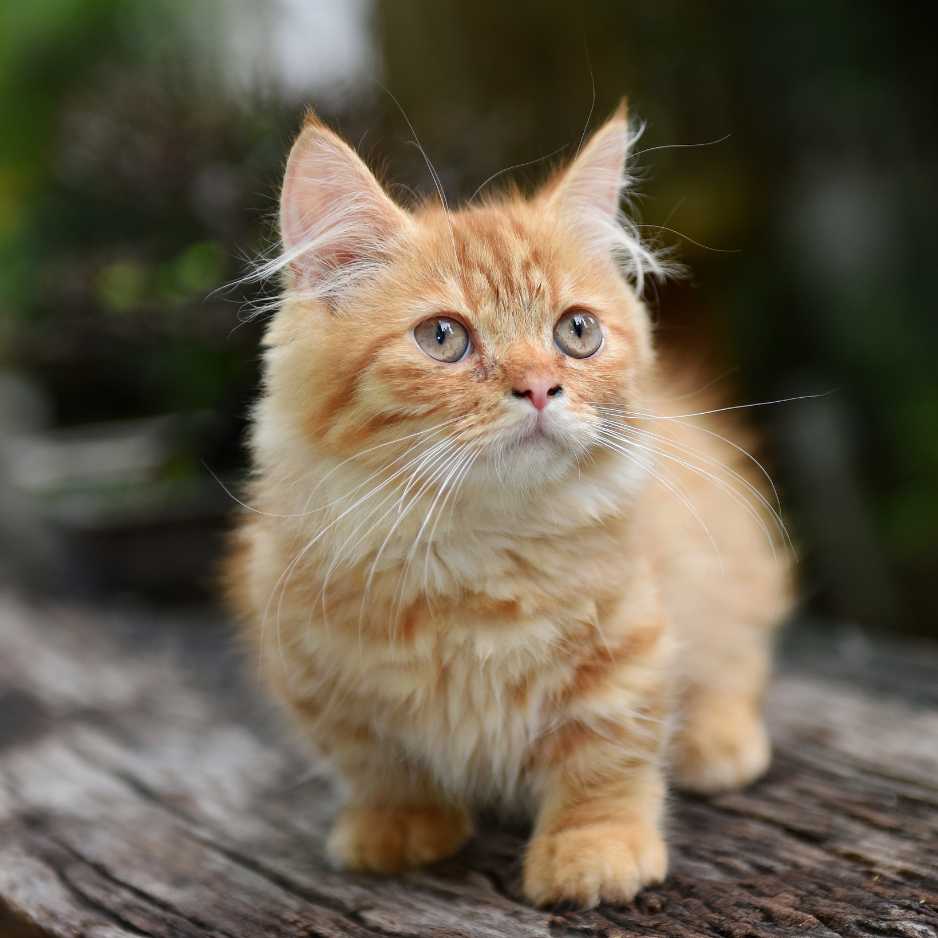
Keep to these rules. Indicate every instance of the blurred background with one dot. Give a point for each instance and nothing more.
(141, 151)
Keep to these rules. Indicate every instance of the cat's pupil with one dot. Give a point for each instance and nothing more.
(577, 323)
(441, 333)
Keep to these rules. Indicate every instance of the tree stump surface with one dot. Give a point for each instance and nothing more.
(147, 790)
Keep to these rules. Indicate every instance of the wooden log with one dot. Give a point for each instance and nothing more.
(147, 790)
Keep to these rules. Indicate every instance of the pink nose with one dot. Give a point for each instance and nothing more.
(538, 391)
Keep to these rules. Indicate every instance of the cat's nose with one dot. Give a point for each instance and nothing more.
(538, 391)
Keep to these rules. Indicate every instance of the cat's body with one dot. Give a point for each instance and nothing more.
(494, 579)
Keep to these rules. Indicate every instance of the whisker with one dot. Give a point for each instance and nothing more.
(611, 443)
(440, 466)
(305, 513)
(453, 491)
(720, 483)
(419, 462)
(514, 166)
(589, 115)
(682, 146)
(452, 468)
(400, 439)
(430, 168)
(718, 410)
(284, 578)
(682, 421)
(238, 501)
(704, 387)
(681, 447)
(338, 555)
(380, 471)
(742, 451)
(688, 238)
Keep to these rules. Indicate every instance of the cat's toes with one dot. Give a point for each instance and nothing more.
(389, 840)
(721, 749)
(606, 862)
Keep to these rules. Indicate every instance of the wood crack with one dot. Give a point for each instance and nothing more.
(100, 908)
(149, 899)
(272, 876)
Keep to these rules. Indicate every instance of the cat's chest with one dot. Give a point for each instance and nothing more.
(472, 711)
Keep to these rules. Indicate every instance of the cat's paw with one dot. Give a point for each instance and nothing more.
(392, 839)
(607, 862)
(721, 747)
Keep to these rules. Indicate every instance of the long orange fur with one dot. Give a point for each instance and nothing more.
(463, 600)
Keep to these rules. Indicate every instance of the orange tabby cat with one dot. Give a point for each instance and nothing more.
(479, 564)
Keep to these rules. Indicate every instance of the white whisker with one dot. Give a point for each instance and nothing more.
(283, 580)
(508, 169)
(419, 463)
(742, 451)
(434, 175)
(723, 467)
(453, 492)
(720, 483)
(438, 466)
(719, 410)
(682, 146)
(613, 444)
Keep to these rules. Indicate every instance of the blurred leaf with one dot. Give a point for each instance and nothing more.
(121, 286)
(199, 268)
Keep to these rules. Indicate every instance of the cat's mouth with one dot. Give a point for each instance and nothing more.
(534, 432)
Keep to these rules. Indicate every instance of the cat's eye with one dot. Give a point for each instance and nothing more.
(442, 338)
(578, 333)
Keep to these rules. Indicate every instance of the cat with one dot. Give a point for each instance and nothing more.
(477, 565)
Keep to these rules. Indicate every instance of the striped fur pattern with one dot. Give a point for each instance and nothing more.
(467, 600)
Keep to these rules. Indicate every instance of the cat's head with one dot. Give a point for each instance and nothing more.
(506, 329)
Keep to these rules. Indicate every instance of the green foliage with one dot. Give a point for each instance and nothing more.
(122, 286)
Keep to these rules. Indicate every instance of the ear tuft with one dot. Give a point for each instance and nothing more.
(337, 224)
(311, 119)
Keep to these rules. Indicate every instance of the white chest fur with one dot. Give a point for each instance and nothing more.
(467, 705)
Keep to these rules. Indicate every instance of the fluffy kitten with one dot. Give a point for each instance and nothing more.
(477, 567)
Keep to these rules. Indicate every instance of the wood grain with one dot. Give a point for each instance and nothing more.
(145, 790)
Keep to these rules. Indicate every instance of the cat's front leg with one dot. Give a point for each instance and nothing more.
(394, 818)
(601, 844)
(598, 834)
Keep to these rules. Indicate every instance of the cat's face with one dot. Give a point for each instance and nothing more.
(489, 341)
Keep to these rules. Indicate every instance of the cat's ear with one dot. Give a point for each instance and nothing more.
(586, 195)
(589, 189)
(336, 222)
